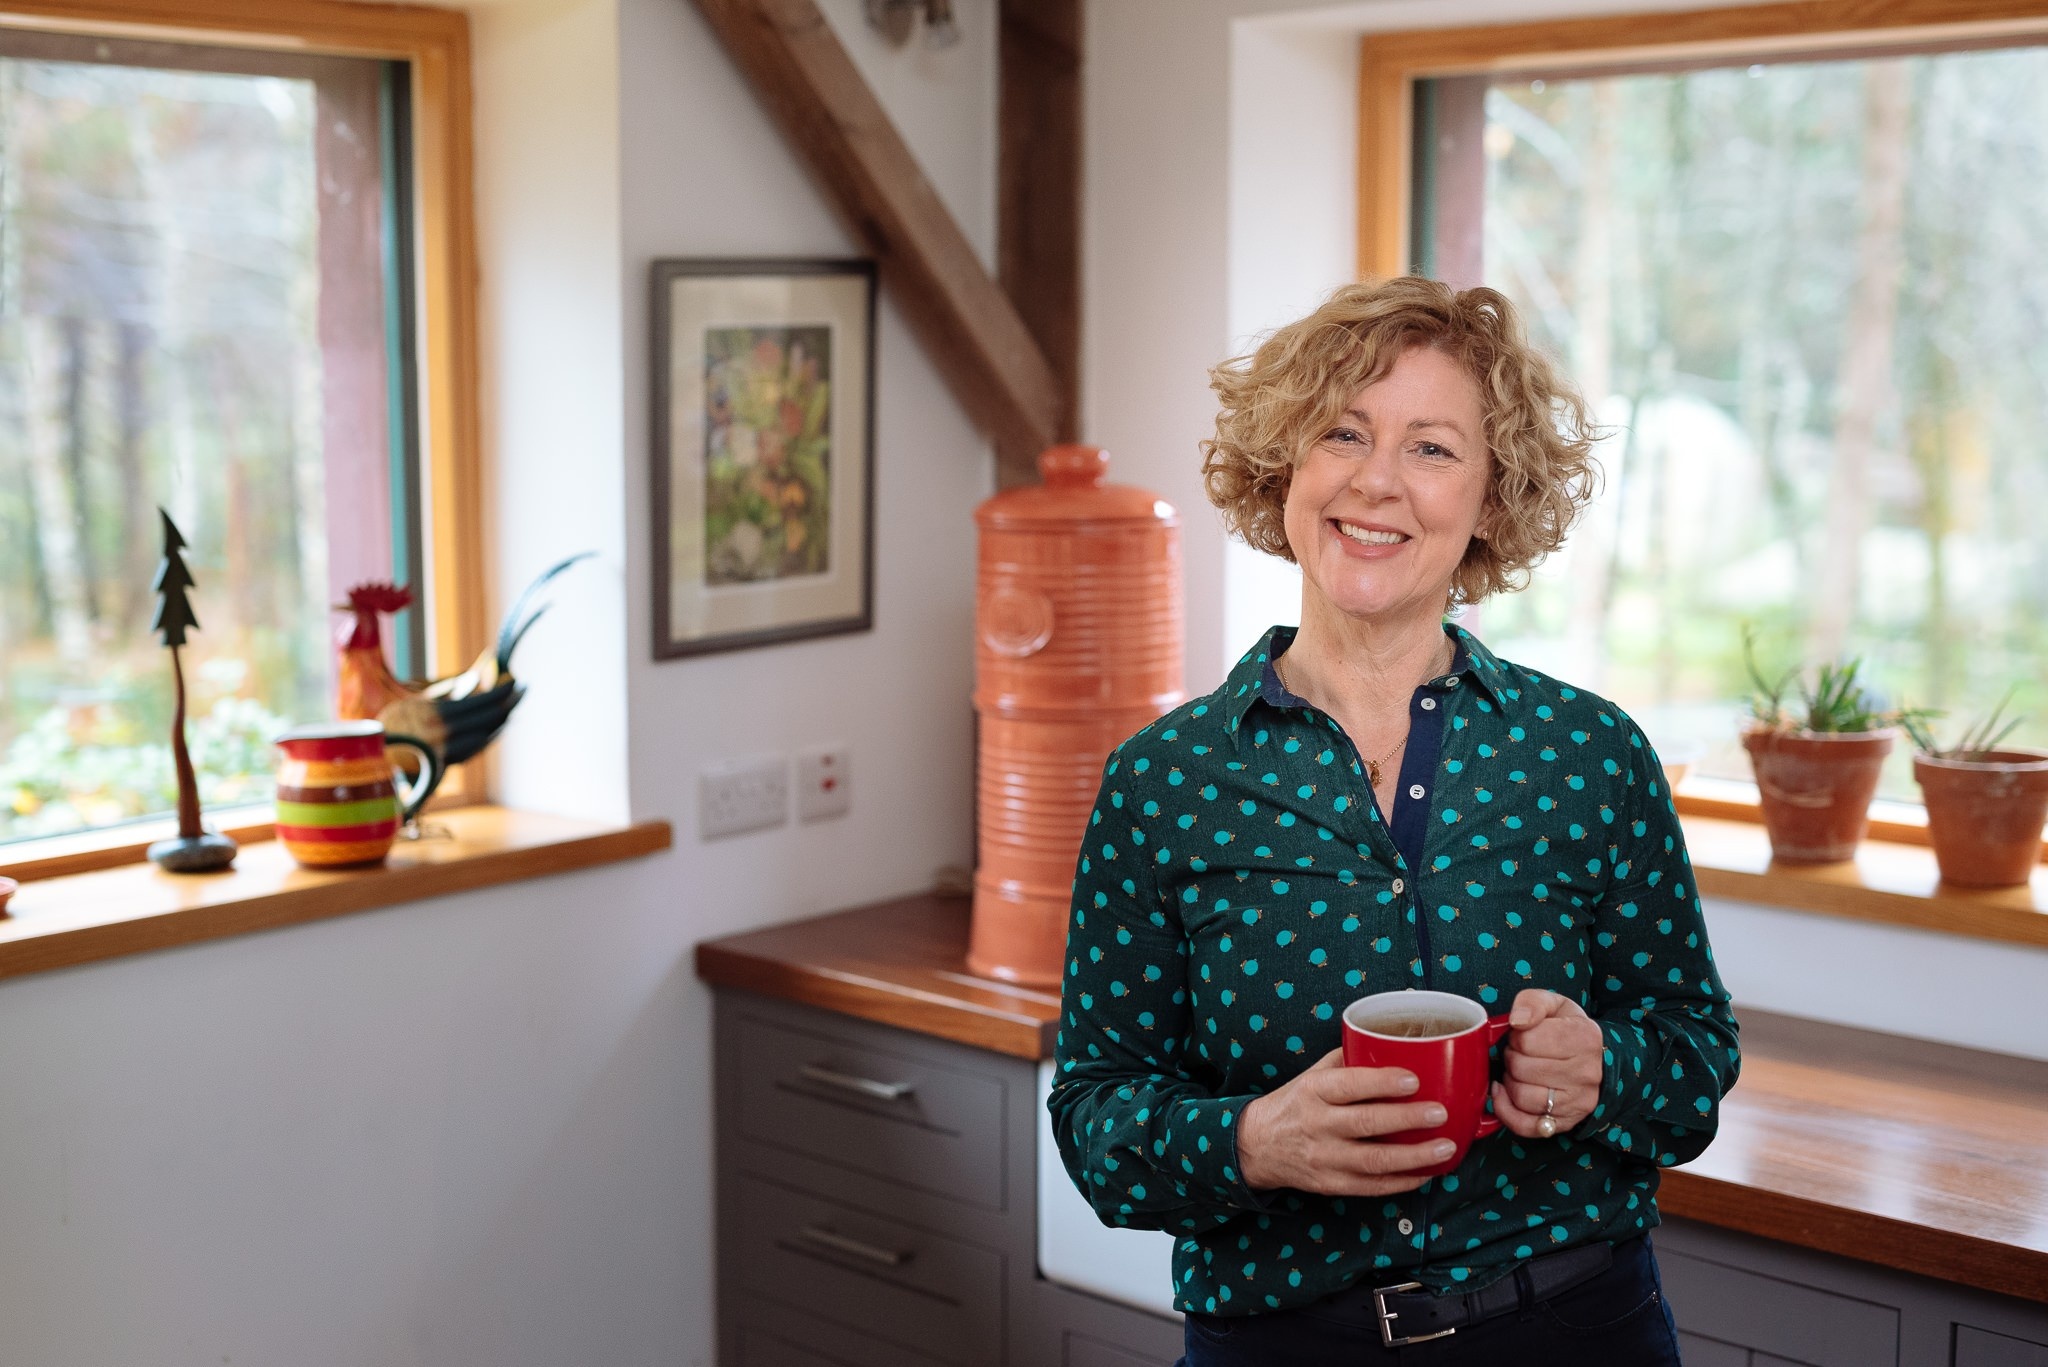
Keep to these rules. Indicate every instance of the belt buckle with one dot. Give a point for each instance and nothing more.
(1387, 1317)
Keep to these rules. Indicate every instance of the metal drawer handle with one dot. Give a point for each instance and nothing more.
(839, 1243)
(859, 1086)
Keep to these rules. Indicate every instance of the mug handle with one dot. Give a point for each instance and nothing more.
(415, 796)
(1496, 1030)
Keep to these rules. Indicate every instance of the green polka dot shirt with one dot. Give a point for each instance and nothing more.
(1238, 887)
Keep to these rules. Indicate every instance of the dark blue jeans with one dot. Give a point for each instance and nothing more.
(1618, 1319)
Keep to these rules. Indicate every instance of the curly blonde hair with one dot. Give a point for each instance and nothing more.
(1278, 401)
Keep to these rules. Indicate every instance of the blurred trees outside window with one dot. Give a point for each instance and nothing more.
(200, 308)
(1805, 299)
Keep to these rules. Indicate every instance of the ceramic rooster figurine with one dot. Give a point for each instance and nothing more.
(458, 715)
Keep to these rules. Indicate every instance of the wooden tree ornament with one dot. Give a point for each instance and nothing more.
(194, 849)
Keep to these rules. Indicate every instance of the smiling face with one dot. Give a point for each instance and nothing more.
(1381, 508)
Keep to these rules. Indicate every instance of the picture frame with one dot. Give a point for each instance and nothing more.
(762, 467)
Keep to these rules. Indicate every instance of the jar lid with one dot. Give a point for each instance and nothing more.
(1073, 492)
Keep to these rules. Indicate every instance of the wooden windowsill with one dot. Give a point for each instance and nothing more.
(54, 856)
(107, 847)
(85, 917)
(1888, 882)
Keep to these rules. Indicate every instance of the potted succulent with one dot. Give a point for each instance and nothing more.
(1816, 761)
(1986, 806)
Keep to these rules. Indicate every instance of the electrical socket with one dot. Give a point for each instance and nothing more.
(824, 783)
(742, 795)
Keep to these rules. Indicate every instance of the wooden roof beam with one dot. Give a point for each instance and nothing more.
(966, 322)
(1038, 238)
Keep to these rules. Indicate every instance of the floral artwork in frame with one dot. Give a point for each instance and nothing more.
(762, 461)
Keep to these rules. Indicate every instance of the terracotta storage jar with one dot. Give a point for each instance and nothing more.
(1077, 644)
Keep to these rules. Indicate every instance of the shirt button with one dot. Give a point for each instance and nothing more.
(1399, 887)
(1451, 682)
(1407, 1226)
(1429, 704)
(1415, 790)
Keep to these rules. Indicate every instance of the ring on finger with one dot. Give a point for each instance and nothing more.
(1547, 1126)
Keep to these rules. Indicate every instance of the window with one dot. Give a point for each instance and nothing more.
(1801, 290)
(197, 314)
(235, 283)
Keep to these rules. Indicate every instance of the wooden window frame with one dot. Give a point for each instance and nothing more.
(1391, 63)
(435, 45)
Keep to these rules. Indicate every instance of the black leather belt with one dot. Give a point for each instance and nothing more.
(1407, 1313)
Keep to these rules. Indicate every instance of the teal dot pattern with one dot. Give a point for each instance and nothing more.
(1238, 888)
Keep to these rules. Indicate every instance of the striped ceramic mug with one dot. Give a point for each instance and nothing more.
(340, 800)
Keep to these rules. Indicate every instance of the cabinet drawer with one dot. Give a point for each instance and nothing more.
(1703, 1352)
(1982, 1348)
(891, 1115)
(908, 1286)
(1087, 1352)
(762, 1350)
(1777, 1319)
(770, 1334)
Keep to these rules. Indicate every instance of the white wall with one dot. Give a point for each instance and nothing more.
(553, 343)
(457, 1132)
(898, 694)
(1981, 994)
(477, 1130)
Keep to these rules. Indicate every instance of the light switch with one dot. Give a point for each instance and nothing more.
(824, 783)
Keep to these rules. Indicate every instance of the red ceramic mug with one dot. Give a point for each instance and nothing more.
(1451, 1061)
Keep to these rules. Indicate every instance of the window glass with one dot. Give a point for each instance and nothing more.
(1805, 298)
(195, 314)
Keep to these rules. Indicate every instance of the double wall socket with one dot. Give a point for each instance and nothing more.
(742, 795)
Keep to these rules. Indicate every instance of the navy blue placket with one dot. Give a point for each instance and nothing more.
(1426, 719)
(1420, 762)
(1417, 785)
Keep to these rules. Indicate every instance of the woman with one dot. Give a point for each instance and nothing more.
(1375, 802)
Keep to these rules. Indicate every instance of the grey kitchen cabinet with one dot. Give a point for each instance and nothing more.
(877, 1205)
(1741, 1301)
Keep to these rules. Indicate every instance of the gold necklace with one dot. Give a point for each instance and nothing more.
(1372, 766)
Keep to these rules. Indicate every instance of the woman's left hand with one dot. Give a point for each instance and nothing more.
(1554, 1048)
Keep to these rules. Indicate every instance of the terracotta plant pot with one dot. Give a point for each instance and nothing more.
(1986, 815)
(1816, 788)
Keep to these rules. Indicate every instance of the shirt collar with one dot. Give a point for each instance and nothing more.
(1482, 666)
(1253, 678)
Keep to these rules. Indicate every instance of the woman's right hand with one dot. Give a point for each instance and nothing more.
(1317, 1132)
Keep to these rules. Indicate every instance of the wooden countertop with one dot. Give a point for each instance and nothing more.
(901, 963)
(1916, 1156)
(1921, 1157)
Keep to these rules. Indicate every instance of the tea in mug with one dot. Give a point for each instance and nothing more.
(1418, 1025)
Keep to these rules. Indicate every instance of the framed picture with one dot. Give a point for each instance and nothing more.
(763, 466)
